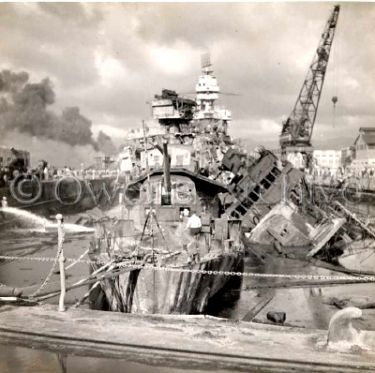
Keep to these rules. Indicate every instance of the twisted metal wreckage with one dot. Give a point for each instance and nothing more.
(246, 202)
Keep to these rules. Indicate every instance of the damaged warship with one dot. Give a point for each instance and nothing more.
(172, 226)
(189, 164)
(33, 190)
(157, 235)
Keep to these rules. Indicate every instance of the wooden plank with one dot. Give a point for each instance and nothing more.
(196, 342)
(303, 284)
(265, 299)
(338, 268)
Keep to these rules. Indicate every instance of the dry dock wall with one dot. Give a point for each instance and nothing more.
(194, 342)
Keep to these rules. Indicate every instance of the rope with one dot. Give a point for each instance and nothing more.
(83, 299)
(93, 287)
(82, 282)
(78, 260)
(50, 273)
(30, 287)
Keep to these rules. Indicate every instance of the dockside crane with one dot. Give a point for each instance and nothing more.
(295, 138)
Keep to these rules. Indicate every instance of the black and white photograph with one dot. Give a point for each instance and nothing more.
(187, 187)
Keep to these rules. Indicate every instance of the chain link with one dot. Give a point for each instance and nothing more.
(45, 259)
(134, 266)
(260, 275)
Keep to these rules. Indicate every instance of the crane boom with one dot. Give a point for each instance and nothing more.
(297, 129)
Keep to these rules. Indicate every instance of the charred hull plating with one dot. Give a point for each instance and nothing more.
(169, 255)
(161, 291)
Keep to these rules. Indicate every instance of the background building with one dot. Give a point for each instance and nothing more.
(327, 160)
(364, 149)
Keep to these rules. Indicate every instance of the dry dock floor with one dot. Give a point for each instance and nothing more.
(194, 342)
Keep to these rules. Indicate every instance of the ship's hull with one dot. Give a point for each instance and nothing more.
(68, 195)
(150, 291)
(264, 251)
(359, 256)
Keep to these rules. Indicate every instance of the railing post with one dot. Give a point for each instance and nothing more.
(4, 202)
(60, 238)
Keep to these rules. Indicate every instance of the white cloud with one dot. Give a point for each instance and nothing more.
(114, 132)
(110, 69)
(172, 60)
(109, 59)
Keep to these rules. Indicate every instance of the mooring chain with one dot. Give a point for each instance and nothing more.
(46, 259)
(49, 259)
(134, 266)
(250, 274)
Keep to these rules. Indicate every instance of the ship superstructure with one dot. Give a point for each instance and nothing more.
(202, 114)
(178, 154)
(207, 93)
(196, 131)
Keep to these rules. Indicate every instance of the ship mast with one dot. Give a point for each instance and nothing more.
(207, 88)
(207, 93)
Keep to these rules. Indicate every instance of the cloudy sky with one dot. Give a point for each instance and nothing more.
(110, 59)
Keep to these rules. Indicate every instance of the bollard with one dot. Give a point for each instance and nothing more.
(276, 317)
(60, 238)
(341, 333)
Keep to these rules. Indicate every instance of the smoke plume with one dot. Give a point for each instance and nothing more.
(105, 144)
(56, 153)
(24, 108)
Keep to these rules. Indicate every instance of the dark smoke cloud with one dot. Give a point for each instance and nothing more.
(24, 107)
(12, 82)
(105, 144)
